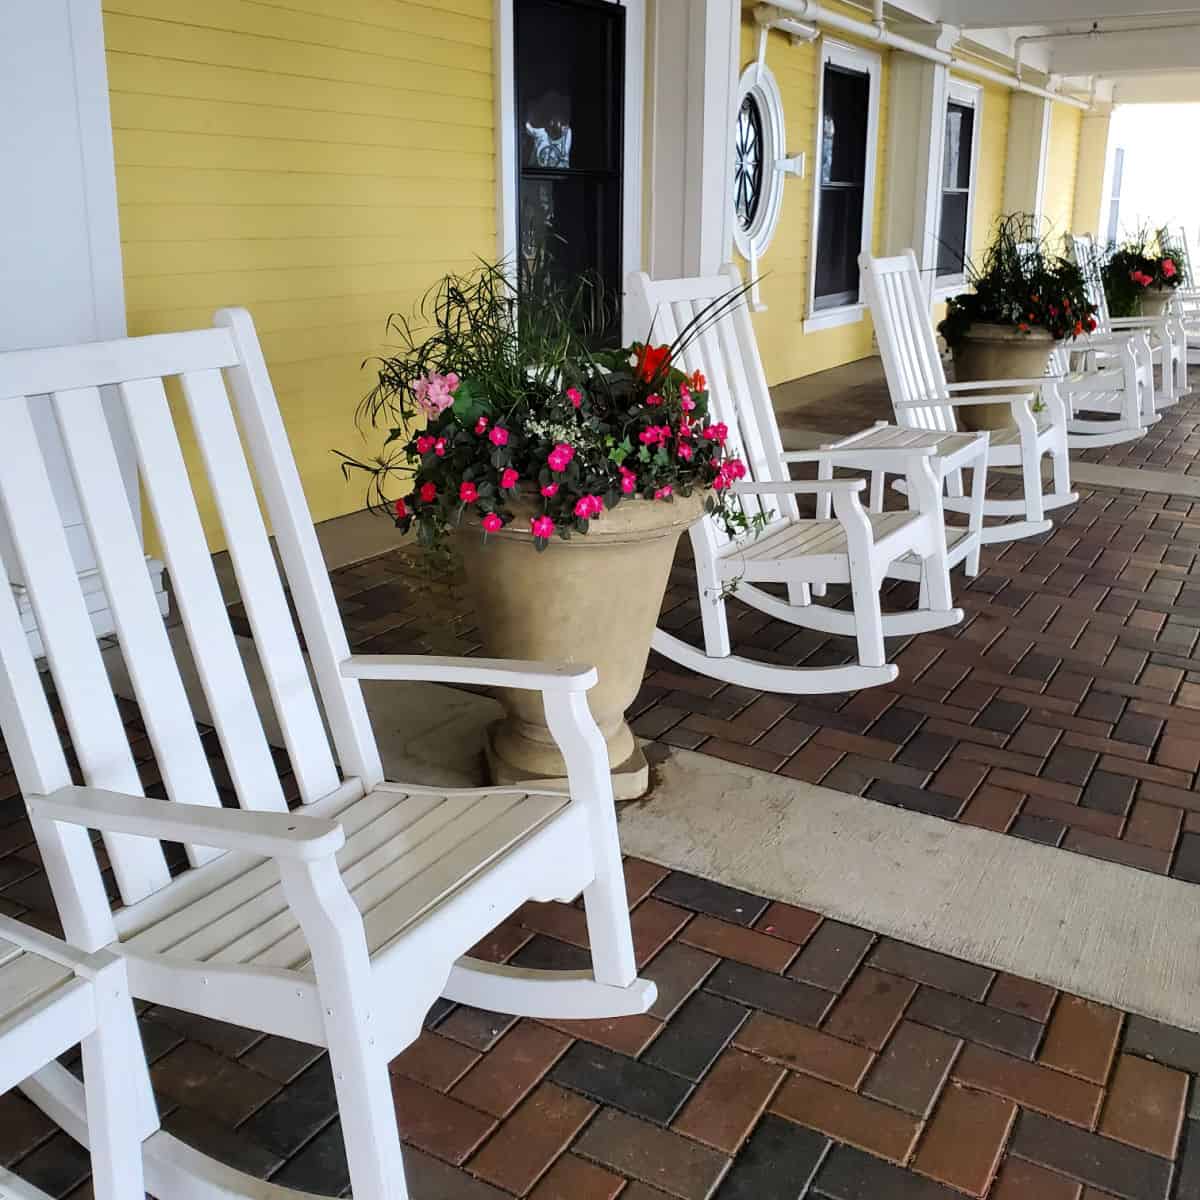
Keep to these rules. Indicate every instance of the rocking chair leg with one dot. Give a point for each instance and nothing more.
(712, 604)
(1031, 471)
(975, 521)
(868, 619)
(800, 594)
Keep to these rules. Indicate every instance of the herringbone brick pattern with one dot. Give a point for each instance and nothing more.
(1171, 444)
(787, 1056)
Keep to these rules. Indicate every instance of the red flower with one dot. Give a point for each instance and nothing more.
(468, 493)
(428, 493)
(651, 360)
(508, 478)
(481, 425)
(401, 510)
(492, 523)
(698, 382)
(1168, 268)
(1091, 324)
(1023, 327)
(424, 444)
(498, 436)
(1078, 328)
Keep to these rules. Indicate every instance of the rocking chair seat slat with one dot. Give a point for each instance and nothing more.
(814, 537)
(395, 875)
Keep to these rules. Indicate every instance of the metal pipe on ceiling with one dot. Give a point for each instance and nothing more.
(782, 13)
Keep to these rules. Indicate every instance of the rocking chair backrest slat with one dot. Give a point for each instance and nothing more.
(143, 637)
(1083, 250)
(907, 343)
(260, 585)
(198, 594)
(97, 732)
(1189, 270)
(137, 367)
(727, 353)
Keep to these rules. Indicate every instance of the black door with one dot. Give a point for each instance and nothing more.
(570, 66)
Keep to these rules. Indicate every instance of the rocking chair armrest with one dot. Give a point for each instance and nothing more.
(880, 454)
(273, 834)
(798, 487)
(480, 672)
(1137, 323)
(961, 401)
(979, 385)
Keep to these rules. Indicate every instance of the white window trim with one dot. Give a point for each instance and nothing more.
(854, 59)
(759, 81)
(970, 95)
(506, 138)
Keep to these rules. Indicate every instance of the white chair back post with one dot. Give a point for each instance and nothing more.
(69, 380)
(1189, 271)
(907, 342)
(1083, 250)
(726, 352)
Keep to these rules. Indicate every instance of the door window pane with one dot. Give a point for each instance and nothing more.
(846, 107)
(570, 133)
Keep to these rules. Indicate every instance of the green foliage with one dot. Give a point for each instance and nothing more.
(1145, 260)
(1021, 282)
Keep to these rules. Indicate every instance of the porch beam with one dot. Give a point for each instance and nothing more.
(1139, 52)
(987, 14)
(1167, 88)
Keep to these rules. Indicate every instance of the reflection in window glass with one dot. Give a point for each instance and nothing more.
(748, 162)
(956, 188)
(846, 106)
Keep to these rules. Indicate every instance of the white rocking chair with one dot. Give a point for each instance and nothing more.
(922, 399)
(337, 925)
(53, 997)
(1157, 341)
(1106, 405)
(855, 547)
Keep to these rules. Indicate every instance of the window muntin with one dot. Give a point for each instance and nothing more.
(748, 162)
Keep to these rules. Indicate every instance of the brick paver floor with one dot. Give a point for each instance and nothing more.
(787, 1056)
(1170, 445)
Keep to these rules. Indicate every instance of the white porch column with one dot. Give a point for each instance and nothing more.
(1092, 175)
(917, 122)
(59, 242)
(693, 83)
(1028, 145)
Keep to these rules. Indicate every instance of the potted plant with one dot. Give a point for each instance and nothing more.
(1023, 300)
(563, 476)
(1141, 274)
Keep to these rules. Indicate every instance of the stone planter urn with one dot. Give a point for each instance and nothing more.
(593, 599)
(998, 352)
(1155, 301)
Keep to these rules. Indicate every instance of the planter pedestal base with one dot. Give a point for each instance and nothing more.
(630, 780)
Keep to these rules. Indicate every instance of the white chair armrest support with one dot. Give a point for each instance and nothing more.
(803, 487)
(979, 385)
(480, 672)
(274, 834)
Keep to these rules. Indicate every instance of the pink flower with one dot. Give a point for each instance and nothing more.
(428, 493)
(498, 436)
(575, 396)
(435, 392)
(560, 457)
(589, 506)
(541, 527)
(735, 468)
(468, 493)
(508, 478)
(685, 428)
(481, 425)
(439, 447)
(424, 444)
(663, 493)
(1168, 268)
(401, 509)
(685, 451)
(492, 522)
(685, 396)
(628, 481)
(549, 490)
(687, 404)
(721, 482)
(653, 400)
(655, 434)
(716, 433)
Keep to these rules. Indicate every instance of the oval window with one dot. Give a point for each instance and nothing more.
(758, 143)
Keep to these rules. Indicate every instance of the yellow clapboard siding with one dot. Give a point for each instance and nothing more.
(182, 185)
(137, 147)
(446, 33)
(188, 115)
(209, 223)
(153, 76)
(190, 43)
(321, 162)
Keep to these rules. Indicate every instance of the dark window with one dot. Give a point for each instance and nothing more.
(570, 87)
(956, 189)
(748, 162)
(846, 103)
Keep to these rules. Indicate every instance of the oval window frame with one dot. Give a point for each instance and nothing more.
(759, 83)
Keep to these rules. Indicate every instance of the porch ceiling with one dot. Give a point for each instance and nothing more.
(982, 14)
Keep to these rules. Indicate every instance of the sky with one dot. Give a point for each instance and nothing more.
(1161, 180)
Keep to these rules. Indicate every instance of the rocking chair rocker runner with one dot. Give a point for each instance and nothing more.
(337, 925)
(922, 399)
(856, 547)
